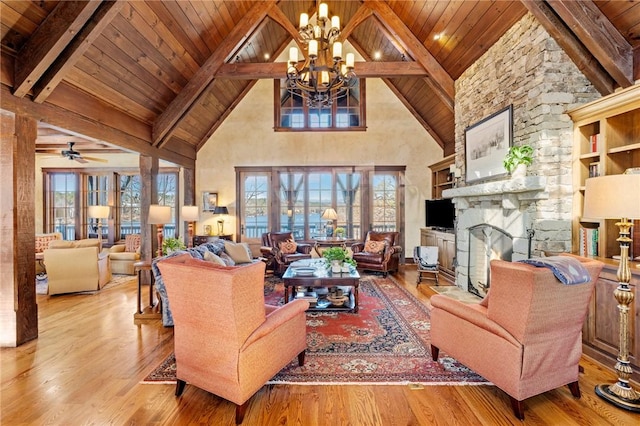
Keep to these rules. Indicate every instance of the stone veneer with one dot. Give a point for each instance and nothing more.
(528, 69)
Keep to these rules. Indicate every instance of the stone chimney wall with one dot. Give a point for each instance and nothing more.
(528, 69)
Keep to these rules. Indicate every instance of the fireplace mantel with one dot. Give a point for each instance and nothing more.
(512, 191)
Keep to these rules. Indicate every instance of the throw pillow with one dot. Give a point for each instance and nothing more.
(288, 247)
(238, 252)
(375, 247)
(228, 261)
(213, 258)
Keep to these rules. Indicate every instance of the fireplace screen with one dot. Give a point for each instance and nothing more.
(486, 242)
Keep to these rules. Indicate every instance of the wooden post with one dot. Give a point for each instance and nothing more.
(18, 308)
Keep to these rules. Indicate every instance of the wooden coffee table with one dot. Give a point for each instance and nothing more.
(323, 278)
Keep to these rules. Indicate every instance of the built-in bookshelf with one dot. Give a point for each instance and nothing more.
(441, 176)
(606, 142)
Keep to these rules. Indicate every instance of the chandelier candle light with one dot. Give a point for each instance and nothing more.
(323, 77)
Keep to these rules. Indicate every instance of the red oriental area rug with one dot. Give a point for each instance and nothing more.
(386, 342)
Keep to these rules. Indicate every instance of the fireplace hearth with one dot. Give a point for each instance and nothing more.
(486, 243)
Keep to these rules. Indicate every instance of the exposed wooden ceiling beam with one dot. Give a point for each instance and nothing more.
(262, 70)
(404, 101)
(362, 14)
(167, 121)
(438, 78)
(48, 42)
(85, 38)
(580, 56)
(90, 127)
(281, 19)
(598, 35)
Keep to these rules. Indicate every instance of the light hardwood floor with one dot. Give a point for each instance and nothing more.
(87, 364)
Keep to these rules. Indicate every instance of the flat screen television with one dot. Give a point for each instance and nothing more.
(440, 213)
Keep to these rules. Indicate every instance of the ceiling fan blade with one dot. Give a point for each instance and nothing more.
(80, 160)
(101, 160)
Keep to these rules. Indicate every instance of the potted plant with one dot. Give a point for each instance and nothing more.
(517, 160)
(340, 232)
(337, 256)
(171, 244)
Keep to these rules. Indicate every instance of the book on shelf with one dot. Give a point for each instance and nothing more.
(589, 241)
(595, 142)
(594, 169)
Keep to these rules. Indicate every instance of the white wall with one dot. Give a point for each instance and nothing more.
(247, 138)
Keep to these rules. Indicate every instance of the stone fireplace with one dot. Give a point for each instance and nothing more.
(502, 207)
(528, 70)
(486, 243)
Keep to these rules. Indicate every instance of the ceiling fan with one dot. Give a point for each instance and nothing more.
(72, 154)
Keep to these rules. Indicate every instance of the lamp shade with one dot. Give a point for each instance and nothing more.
(190, 213)
(612, 197)
(99, 212)
(329, 214)
(221, 210)
(159, 215)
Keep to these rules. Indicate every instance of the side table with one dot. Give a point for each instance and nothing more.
(152, 311)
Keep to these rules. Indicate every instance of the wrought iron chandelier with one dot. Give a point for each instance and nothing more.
(323, 77)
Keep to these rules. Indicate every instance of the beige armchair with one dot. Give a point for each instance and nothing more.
(74, 266)
(526, 335)
(123, 256)
(227, 341)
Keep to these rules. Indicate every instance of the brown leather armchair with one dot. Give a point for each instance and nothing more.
(226, 340)
(379, 252)
(272, 250)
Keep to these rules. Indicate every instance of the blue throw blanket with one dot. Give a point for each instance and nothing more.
(567, 269)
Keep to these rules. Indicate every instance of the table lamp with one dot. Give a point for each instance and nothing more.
(329, 215)
(221, 211)
(159, 215)
(98, 212)
(618, 197)
(190, 215)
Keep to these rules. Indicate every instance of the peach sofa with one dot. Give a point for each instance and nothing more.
(525, 336)
(227, 341)
(74, 266)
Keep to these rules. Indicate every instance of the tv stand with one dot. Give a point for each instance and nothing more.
(446, 243)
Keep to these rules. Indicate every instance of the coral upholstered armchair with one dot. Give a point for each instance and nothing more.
(525, 336)
(227, 341)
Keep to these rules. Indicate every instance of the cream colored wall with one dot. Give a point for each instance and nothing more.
(247, 138)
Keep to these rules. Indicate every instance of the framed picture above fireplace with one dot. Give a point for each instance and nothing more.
(486, 144)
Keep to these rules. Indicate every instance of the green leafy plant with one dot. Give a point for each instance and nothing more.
(518, 155)
(172, 244)
(339, 254)
(340, 231)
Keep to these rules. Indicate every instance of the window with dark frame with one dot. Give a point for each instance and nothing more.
(345, 114)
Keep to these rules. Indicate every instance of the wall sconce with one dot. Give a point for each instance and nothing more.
(190, 215)
(98, 212)
(159, 215)
(221, 211)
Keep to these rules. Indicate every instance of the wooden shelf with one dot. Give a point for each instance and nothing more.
(441, 177)
(614, 119)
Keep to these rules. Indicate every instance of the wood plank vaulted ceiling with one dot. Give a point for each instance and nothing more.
(159, 77)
